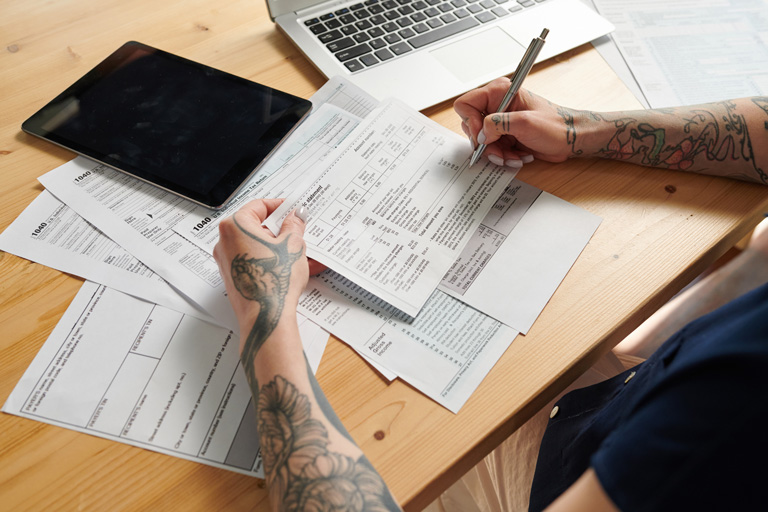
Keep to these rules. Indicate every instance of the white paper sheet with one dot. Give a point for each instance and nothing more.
(142, 217)
(326, 127)
(520, 254)
(609, 51)
(50, 233)
(510, 269)
(420, 350)
(393, 207)
(692, 51)
(445, 352)
(319, 133)
(112, 223)
(124, 369)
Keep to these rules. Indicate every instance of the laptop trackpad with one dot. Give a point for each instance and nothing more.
(480, 54)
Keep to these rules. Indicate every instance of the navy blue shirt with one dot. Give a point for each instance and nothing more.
(688, 431)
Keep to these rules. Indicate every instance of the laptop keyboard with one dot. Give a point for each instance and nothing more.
(374, 31)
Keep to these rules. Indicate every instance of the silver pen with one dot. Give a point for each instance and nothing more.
(526, 63)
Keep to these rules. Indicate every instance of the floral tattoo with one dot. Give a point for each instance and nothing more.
(302, 474)
(714, 134)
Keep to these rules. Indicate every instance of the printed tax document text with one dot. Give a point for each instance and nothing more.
(393, 207)
(519, 255)
(453, 360)
(449, 384)
(128, 370)
(690, 52)
(52, 234)
(140, 216)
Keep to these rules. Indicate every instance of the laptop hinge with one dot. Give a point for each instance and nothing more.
(325, 8)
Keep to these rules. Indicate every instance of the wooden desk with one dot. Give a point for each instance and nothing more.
(660, 229)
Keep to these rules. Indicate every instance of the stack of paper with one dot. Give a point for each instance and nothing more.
(436, 267)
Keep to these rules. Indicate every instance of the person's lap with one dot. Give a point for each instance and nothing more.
(501, 482)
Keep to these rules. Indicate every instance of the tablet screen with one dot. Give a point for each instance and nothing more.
(186, 127)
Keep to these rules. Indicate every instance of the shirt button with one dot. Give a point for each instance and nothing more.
(629, 377)
(554, 412)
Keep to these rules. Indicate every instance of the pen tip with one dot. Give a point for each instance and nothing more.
(544, 33)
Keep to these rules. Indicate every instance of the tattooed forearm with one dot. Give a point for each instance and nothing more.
(263, 280)
(712, 139)
(570, 130)
(301, 472)
(762, 104)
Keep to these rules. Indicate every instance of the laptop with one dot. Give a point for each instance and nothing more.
(424, 52)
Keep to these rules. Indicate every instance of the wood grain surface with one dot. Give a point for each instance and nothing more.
(659, 230)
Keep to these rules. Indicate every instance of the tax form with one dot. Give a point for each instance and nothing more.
(519, 255)
(140, 216)
(52, 234)
(143, 217)
(444, 352)
(450, 384)
(393, 207)
(306, 148)
(128, 370)
(126, 212)
(690, 52)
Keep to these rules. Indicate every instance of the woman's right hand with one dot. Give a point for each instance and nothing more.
(532, 128)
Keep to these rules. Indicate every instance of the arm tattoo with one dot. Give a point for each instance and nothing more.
(762, 104)
(570, 130)
(706, 136)
(263, 280)
(301, 472)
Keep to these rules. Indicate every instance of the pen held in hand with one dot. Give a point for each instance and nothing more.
(526, 63)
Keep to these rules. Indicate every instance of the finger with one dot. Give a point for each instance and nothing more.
(272, 204)
(315, 267)
(497, 125)
(483, 99)
(253, 211)
(517, 154)
(294, 223)
(218, 257)
(508, 152)
(504, 158)
(259, 209)
(247, 220)
(471, 107)
(465, 129)
(471, 104)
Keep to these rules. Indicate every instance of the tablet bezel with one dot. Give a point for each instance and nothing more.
(233, 178)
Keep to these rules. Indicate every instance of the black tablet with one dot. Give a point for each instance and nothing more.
(185, 127)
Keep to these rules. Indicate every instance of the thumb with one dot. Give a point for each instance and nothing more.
(295, 222)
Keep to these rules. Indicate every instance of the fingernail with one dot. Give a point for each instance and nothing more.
(515, 164)
(527, 159)
(301, 212)
(481, 138)
(494, 159)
